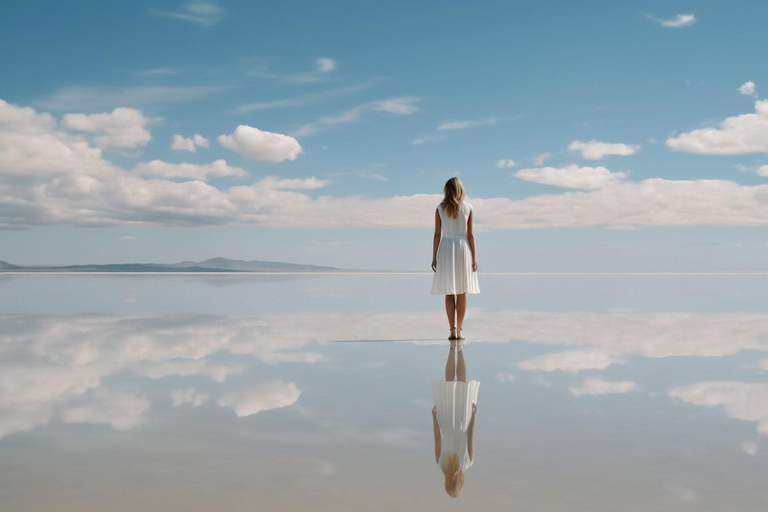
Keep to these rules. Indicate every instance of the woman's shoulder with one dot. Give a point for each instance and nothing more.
(467, 205)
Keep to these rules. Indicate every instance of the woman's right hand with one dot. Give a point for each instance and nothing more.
(474, 266)
(434, 265)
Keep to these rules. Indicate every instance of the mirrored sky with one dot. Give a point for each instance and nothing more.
(598, 393)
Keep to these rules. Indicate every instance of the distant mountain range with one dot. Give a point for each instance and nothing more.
(211, 265)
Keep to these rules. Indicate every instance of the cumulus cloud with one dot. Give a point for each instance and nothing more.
(121, 128)
(540, 159)
(749, 447)
(571, 361)
(748, 89)
(50, 176)
(505, 163)
(461, 125)
(597, 386)
(595, 150)
(163, 169)
(400, 106)
(261, 396)
(181, 143)
(572, 176)
(261, 145)
(59, 364)
(746, 401)
(325, 65)
(122, 411)
(187, 396)
(681, 20)
(51, 363)
(746, 133)
(201, 13)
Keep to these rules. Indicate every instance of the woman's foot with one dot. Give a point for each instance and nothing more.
(453, 335)
(459, 336)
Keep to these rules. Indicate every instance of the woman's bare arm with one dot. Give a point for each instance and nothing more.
(435, 241)
(471, 432)
(436, 429)
(471, 240)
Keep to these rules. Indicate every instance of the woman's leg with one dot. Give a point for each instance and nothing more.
(461, 308)
(450, 365)
(450, 309)
(461, 369)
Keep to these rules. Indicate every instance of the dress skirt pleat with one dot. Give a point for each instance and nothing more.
(454, 273)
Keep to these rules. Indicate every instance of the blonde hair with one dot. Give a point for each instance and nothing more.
(454, 476)
(454, 195)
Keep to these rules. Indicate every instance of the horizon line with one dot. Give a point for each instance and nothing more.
(384, 272)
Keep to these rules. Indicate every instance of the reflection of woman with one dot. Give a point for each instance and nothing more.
(453, 254)
(453, 420)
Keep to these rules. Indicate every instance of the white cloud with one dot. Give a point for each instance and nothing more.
(748, 89)
(201, 13)
(461, 125)
(122, 411)
(62, 358)
(372, 176)
(746, 401)
(749, 447)
(303, 99)
(162, 169)
(187, 396)
(595, 150)
(261, 145)
(505, 163)
(572, 361)
(681, 20)
(54, 177)
(746, 133)
(325, 65)
(180, 143)
(185, 367)
(572, 176)
(418, 141)
(261, 396)
(504, 377)
(401, 106)
(540, 159)
(121, 128)
(100, 98)
(597, 386)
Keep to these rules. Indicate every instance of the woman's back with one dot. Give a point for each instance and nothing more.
(455, 228)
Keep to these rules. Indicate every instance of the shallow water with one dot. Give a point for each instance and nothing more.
(599, 393)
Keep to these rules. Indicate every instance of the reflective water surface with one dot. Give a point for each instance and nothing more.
(599, 393)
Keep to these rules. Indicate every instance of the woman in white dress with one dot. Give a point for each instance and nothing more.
(453, 254)
(453, 420)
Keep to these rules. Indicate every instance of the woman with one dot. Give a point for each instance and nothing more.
(453, 255)
(453, 420)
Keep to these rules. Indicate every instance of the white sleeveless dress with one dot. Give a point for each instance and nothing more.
(454, 273)
(454, 400)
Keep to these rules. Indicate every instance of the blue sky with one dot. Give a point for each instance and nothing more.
(600, 136)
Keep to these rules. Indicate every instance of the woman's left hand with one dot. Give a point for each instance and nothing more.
(474, 266)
